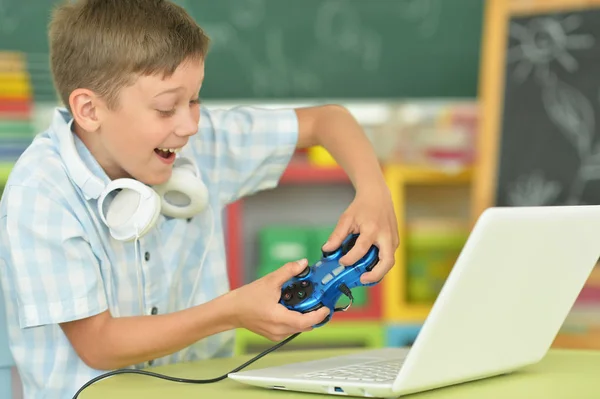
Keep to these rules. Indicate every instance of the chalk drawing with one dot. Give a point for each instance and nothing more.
(573, 114)
(543, 41)
(424, 13)
(339, 28)
(222, 34)
(270, 73)
(533, 190)
(248, 14)
(277, 76)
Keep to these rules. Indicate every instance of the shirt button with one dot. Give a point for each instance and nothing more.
(147, 256)
(151, 362)
(154, 310)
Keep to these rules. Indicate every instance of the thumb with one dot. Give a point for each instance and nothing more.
(289, 270)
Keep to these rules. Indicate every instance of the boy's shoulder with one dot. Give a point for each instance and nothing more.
(39, 170)
(39, 166)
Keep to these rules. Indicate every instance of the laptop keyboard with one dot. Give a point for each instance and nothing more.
(378, 371)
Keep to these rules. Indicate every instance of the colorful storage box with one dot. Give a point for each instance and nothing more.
(280, 245)
(432, 250)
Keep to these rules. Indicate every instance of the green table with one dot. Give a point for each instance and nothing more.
(563, 374)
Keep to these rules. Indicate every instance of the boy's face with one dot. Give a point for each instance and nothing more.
(154, 117)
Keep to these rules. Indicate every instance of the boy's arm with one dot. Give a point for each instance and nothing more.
(334, 128)
(106, 343)
(372, 212)
(57, 280)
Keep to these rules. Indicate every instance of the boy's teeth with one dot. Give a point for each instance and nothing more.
(169, 149)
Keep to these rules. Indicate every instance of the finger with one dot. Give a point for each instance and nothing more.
(310, 319)
(287, 271)
(339, 234)
(296, 321)
(386, 262)
(365, 240)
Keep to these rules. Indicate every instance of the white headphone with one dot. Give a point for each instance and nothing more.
(134, 210)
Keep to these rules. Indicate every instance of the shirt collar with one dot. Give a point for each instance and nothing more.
(91, 177)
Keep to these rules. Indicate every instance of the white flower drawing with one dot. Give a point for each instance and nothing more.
(544, 40)
(533, 190)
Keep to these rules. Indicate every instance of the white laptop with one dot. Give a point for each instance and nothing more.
(500, 309)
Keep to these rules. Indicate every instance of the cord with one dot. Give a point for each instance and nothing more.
(345, 290)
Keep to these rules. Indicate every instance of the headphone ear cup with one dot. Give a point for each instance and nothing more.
(184, 195)
(132, 212)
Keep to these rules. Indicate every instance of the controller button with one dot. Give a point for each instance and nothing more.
(304, 272)
(304, 283)
(371, 265)
(348, 245)
(338, 270)
(328, 277)
(327, 254)
(301, 294)
(287, 296)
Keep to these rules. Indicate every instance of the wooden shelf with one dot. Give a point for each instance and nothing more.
(409, 174)
(396, 307)
(299, 172)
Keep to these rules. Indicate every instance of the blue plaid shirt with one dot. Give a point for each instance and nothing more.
(58, 262)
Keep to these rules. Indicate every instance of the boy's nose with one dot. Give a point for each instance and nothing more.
(188, 125)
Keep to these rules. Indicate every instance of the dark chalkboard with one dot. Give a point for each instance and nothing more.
(290, 49)
(546, 130)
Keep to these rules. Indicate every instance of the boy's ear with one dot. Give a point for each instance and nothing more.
(84, 103)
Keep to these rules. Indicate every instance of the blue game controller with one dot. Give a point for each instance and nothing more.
(323, 283)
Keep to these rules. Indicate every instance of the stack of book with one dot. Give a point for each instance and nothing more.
(16, 106)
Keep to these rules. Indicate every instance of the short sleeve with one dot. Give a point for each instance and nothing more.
(245, 149)
(50, 264)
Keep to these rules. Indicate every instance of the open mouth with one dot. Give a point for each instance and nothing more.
(166, 153)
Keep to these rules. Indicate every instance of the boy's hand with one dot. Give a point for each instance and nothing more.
(372, 215)
(257, 306)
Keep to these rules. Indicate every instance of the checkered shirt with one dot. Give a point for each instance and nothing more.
(59, 263)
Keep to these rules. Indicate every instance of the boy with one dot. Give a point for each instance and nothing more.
(79, 299)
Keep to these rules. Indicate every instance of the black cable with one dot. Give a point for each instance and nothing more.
(344, 290)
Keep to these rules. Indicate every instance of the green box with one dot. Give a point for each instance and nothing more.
(318, 238)
(280, 245)
(430, 258)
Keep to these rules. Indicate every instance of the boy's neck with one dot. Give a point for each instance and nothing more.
(91, 142)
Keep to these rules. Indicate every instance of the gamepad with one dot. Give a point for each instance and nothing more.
(323, 283)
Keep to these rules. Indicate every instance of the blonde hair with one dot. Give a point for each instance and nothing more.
(102, 45)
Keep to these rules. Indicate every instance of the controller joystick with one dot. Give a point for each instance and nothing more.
(304, 272)
(323, 283)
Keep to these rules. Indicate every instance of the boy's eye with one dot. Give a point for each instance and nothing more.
(196, 101)
(168, 113)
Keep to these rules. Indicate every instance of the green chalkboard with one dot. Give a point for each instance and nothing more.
(294, 49)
